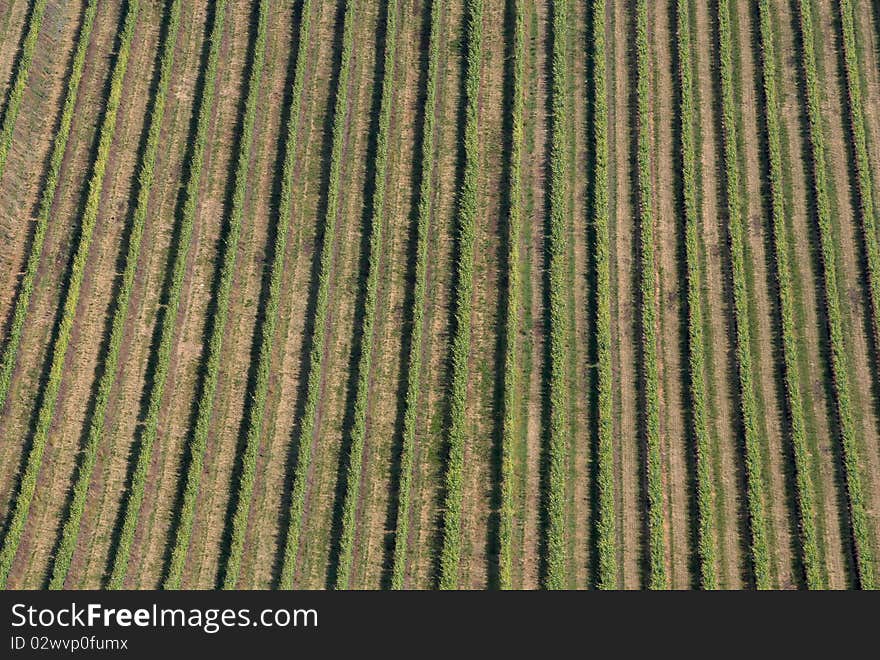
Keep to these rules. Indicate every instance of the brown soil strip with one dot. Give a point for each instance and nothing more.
(671, 358)
(580, 270)
(623, 311)
(534, 168)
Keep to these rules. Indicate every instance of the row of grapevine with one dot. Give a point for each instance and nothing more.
(254, 421)
(794, 402)
(199, 437)
(862, 166)
(70, 529)
(556, 560)
(365, 360)
(606, 536)
(58, 352)
(514, 294)
(861, 528)
(134, 498)
(19, 82)
(696, 357)
(309, 418)
(467, 212)
(755, 486)
(59, 147)
(414, 360)
(648, 306)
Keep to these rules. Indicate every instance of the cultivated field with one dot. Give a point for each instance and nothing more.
(455, 294)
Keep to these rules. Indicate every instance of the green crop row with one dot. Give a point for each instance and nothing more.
(696, 358)
(558, 290)
(607, 538)
(365, 361)
(198, 439)
(59, 146)
(862, 165)
(514, 304)
(135, 496)
(656, 542)
(861, 526)
(423, 221)
(461, 340)
(308, 422)
(794, 402)
(19, 82)
(70, 529)
(254, 423)
(70, 299)
(755, 485)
